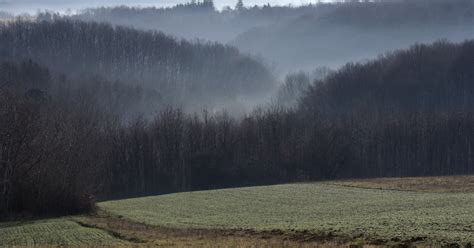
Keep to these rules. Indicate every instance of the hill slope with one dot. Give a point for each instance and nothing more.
(184, 73)
(333, 34)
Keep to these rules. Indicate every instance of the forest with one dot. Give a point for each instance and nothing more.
(308, 36)
(332, 123)
(65, 142)
(167, 71)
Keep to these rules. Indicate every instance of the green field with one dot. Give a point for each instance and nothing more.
(315, 207)
(355, 213)
(60, 231)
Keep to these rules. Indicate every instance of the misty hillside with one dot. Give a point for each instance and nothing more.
(356, 31)
(194, 20)
(124, 101)
(424, 79)
(369, 103)
(5, 15)
(309, 36)
(183, 73)
(408, 113)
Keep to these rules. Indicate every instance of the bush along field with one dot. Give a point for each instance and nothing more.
(293, 215)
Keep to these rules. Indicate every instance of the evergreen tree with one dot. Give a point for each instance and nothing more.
(240, 5)
(209, 4)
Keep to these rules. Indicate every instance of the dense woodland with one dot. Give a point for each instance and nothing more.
(194, 20)
(309, 36)
(408, 113)
(192, 75)
(333, 34)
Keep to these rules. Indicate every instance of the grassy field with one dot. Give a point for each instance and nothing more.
(60, 231)
(331, 213)
(377, 214)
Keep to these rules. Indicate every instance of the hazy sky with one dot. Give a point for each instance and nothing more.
(32, 6)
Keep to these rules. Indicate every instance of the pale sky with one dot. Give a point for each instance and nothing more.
(32, 6)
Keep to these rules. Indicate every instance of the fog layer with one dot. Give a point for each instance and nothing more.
(310, 36)
(31, 6)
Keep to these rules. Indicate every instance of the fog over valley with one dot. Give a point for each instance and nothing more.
(287, 39)
(237, 123)
(32, 6)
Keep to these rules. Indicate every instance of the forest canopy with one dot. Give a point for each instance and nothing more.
(194, 75)
(306, 36)
(408, 113)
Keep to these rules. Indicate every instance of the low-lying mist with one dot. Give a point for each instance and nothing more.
(270, 47)
(120, 102)
(308, 36)
(162, 70)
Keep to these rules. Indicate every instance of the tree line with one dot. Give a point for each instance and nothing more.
(408, 113)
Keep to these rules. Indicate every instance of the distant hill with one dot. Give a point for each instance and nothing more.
(193, 20)
(336, 33)
(184, 73)
(309, 36)
(436, 78)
